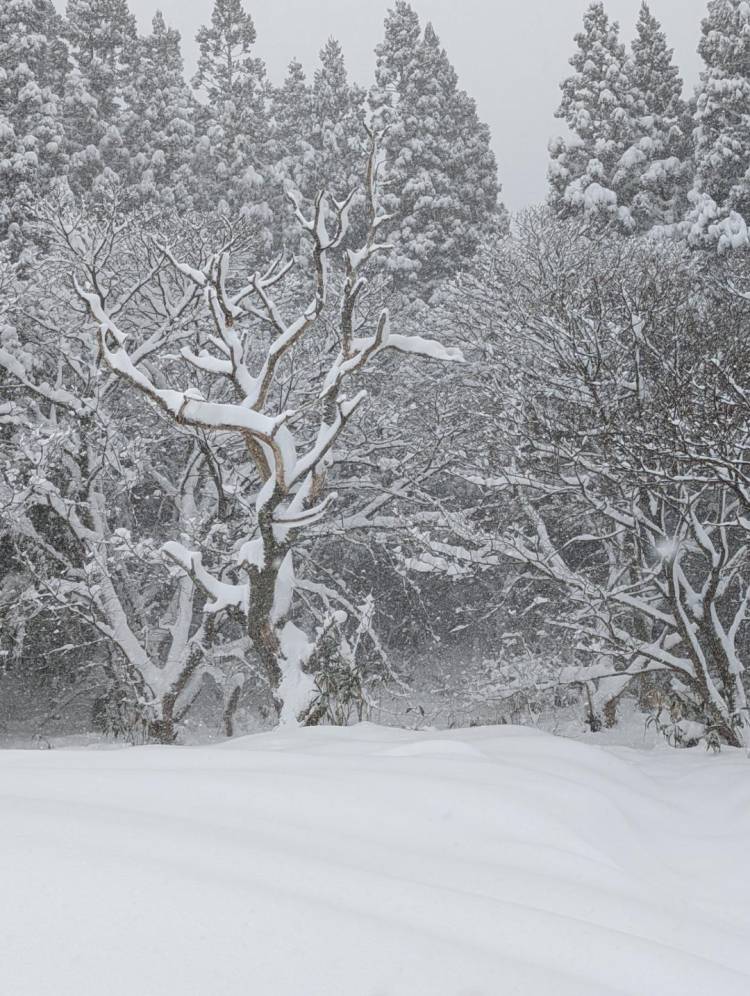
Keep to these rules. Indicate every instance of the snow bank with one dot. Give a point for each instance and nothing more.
(375, 862)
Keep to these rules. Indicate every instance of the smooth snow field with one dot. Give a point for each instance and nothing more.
(375, 862)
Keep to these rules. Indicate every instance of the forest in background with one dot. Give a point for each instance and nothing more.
(296, 424)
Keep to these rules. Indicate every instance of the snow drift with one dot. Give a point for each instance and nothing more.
(375, 862)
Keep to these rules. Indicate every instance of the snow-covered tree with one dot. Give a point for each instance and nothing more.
(33, 63)
(104, 43)
(233, 127)
(442, 174)
(655, 173)
(31, 36)
(160, 133)
(722, 134)
(395, 57)
(83, 132)
(92, 480)
(337, 134)
(248, 344)
(290, 151)
(598, 107)
(317, 138)
(104, 48)
(291, 115)
(620, 444)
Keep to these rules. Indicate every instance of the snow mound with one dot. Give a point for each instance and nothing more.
(375, 862)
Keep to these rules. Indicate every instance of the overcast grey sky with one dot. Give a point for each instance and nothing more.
(510, 55)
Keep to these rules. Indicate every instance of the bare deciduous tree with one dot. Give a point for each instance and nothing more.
(249, 344)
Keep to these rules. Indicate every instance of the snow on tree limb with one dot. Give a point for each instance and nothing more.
(291, 496)
(221, 595)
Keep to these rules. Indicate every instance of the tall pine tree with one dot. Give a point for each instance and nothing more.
(722, 133)
(233, 145)
(290, 152)
(440, 169)
(161, 134)
(33, 64)
(395, 61)
(598, 107)
(318, 139)
(654, 175)
(291, 114)
(104, 47)
(337, 135)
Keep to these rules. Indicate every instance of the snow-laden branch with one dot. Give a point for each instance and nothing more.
(290, 450)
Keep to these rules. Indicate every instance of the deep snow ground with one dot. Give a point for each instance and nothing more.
(375, 862)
